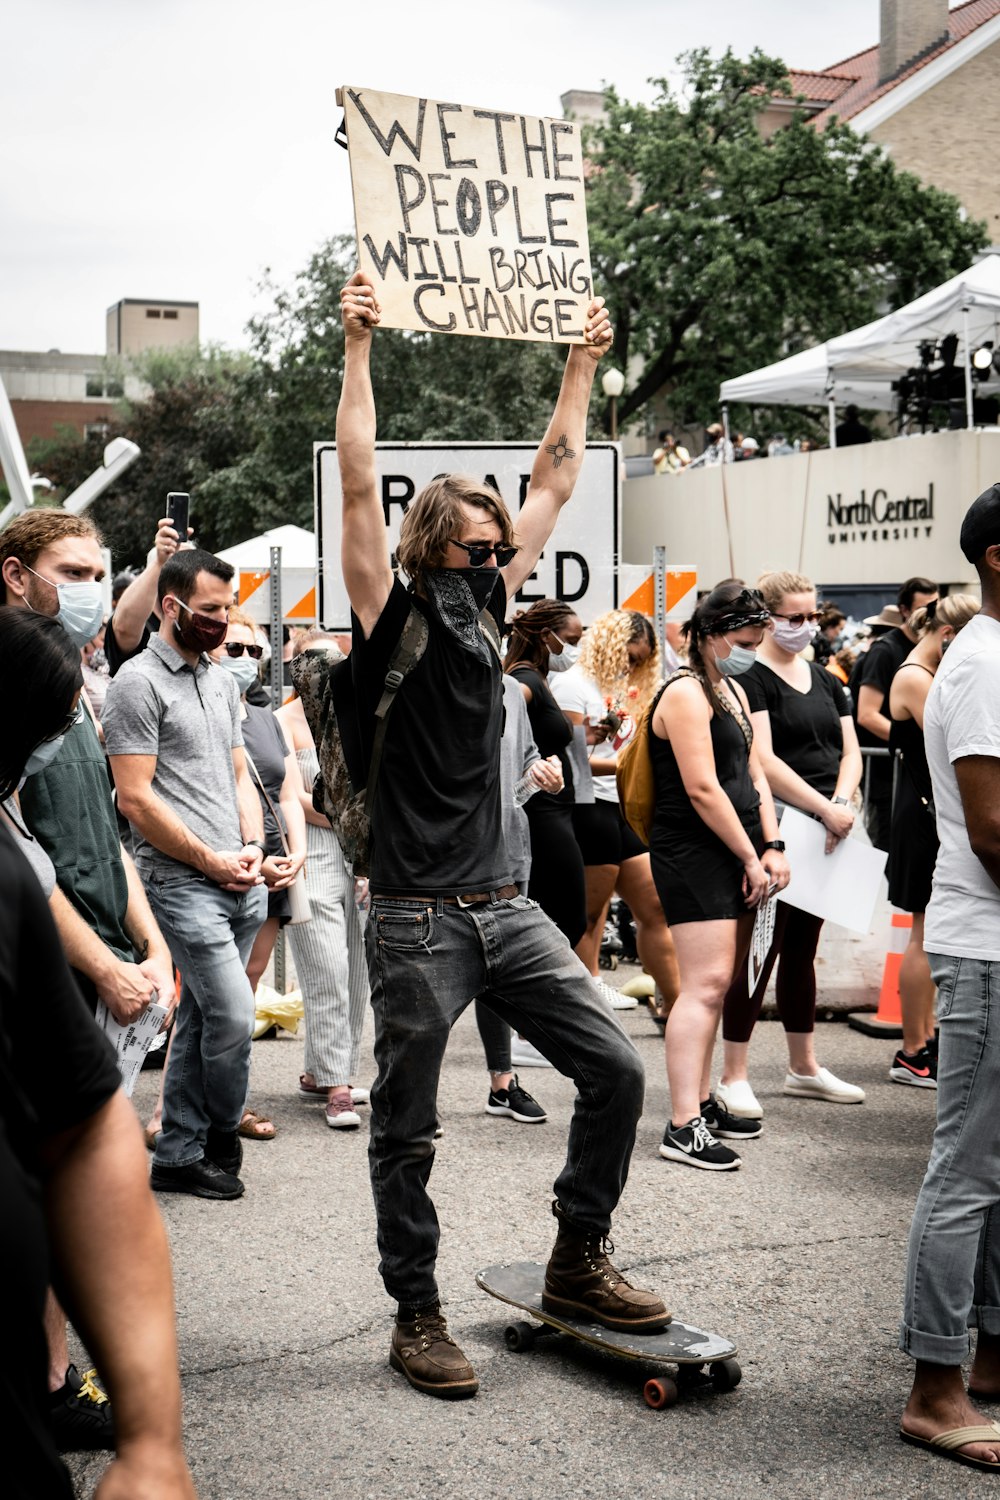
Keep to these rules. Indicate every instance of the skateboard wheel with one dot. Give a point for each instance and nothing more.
(726, 1374)
(519, 1337)
(660, 1392)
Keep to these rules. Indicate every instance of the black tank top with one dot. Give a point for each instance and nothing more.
(906, 736)
(674, 809)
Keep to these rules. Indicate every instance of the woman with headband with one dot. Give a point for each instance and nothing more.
(715, 855)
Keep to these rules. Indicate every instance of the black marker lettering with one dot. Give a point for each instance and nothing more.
(542, 147)
(440, 261)
(406, 205)
(470, 306)
(514, 319)
(466, 280)
(418, 297)
(424, 274)
(581, 283)
(497, 197)
(541, 321)
(437, 202)
(449, 135)
(491, 309)
(499, 263)
(468, 207)
(566, 311)
(395, 130)
(562, 127)
(525, 239)
(499, 121)
(554, 224)
(398, 257)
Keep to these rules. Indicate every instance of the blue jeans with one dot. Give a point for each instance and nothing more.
(953, 1268)
(210, 933)
(426, 963)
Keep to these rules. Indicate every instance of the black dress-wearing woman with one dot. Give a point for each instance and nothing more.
(697, 878)
(913, 840)
(557, 879)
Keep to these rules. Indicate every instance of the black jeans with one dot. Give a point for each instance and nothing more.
(426, 963)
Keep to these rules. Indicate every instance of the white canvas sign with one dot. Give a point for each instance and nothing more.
(579, 564)
(469, 220)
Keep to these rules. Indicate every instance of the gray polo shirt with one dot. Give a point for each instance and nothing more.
(189, 718)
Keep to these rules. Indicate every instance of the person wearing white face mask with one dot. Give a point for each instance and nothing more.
(809, 750)
(715, 855)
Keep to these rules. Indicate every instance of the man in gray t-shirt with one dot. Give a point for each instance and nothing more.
(172, 729)
(953, 1266)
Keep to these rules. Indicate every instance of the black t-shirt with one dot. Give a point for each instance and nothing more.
(114, 653)
(79, 1075)
(436, 821)
(805, 727)
(552, 733)
(876, 669)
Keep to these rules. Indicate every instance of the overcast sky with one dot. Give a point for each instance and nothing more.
(177, 148)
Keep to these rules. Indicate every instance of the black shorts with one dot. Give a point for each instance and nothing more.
(603, 834)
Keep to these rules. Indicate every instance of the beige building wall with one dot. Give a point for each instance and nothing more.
(949, 137)
(135, 324)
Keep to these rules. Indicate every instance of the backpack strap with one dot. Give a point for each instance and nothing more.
(408, 650)
(490, 629)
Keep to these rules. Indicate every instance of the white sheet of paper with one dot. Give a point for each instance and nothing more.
(132, 1042)
(841, 887)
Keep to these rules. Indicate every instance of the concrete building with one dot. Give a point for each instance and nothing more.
(139, 323)
(56, 390)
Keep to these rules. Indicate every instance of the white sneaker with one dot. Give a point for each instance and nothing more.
(361, 1096)
(524, 1055)
(615, 998)
(823, 1085)
(739, 1099)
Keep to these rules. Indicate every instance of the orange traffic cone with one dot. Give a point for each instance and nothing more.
(887, 1020)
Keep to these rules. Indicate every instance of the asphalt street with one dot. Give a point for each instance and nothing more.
(798, 1258)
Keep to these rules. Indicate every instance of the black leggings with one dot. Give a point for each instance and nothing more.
(557, 879)
(796, 938)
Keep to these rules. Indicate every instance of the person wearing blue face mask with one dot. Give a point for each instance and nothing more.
(715, 855)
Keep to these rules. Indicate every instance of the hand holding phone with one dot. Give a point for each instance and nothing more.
(178, 513)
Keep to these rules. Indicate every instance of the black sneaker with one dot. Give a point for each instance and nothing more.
(695, 1145)
(516, 1103)
(203, 1179)
(225, 1150)
(919, 1069)
(727, 1127)
(80, 1414)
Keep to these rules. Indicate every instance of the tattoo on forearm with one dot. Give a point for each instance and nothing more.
(560, 451)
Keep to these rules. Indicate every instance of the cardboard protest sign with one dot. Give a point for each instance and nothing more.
(469, 220)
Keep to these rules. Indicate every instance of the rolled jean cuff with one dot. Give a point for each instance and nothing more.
(986, 1319)
(935, 1348)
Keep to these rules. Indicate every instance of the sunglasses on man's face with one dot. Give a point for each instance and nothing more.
(479, 552)
(237, 648)
(796, 620)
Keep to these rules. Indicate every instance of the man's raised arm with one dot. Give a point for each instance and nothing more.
(365, 559)
(560, 454)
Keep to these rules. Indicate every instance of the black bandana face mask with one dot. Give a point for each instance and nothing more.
(458, 596)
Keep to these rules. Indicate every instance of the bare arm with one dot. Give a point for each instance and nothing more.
(978, 779)
(146, 938)
(124, 987)
(139, 600)
(560, 453)
(120, 1294)
(870, 715)
(908, 696)
(364, 549)
(684, 717)
(161, 827)
(790, 787)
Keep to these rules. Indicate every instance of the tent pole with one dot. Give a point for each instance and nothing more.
(968, 369)
(725, 430)
(831, 408)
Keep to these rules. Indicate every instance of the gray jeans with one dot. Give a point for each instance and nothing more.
(426, 962)
(953, 1268)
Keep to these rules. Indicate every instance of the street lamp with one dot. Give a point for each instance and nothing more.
(612, 384)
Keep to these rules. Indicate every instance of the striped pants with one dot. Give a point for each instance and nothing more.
(329, 954)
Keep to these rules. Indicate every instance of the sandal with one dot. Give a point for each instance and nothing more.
(150, 1136)
(255, 1127)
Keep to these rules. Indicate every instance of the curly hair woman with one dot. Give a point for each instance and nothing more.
(616, 678)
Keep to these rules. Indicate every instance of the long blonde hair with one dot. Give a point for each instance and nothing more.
(604, 658)
(954, 610)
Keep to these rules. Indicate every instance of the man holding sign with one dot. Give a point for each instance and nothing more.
(446, 921)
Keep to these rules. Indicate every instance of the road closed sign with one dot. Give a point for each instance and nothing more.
(579, 564)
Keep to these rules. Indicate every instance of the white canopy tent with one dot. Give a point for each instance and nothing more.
(298, 549)
(861, 366)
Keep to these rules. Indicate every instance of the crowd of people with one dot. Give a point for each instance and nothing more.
(673, 457)
(166, 824)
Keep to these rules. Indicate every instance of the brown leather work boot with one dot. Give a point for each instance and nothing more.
(581, 1282)
(428, 1356)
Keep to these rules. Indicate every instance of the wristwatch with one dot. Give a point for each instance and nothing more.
(843, 801)
(255, 844)
(776, 844)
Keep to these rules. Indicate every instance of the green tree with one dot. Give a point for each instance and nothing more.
(720, 251)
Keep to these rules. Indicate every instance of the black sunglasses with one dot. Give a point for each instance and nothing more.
(479, 552)
(237, 648)
(797, 620)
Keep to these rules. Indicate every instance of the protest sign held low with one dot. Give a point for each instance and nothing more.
(469, 220)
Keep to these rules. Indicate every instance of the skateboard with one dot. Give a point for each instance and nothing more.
(703, 1360)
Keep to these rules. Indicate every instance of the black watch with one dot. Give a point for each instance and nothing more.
(776, 844)
(256, 844)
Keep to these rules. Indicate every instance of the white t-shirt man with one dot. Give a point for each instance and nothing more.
(962, 717)
(576, 693)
